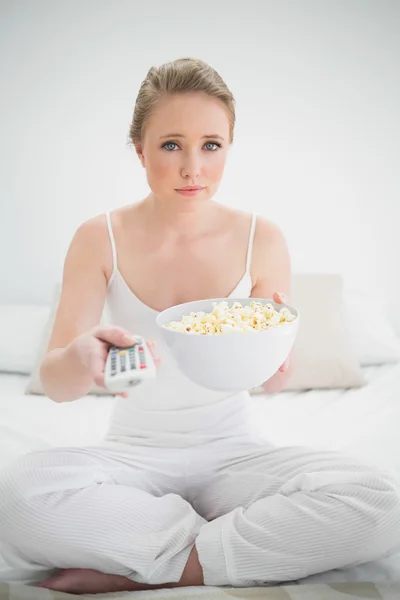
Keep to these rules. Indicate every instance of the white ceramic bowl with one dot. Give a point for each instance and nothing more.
(228, 362)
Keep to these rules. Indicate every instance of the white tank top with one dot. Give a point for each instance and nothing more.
(170, 410)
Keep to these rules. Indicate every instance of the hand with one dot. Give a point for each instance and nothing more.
(281, 299)
(91, 348)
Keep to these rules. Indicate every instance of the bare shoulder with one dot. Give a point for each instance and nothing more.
(84, 283)
(271, 264)
(235, 219)
(96, 227)
(89, 242)
(93, 238)
(93, 230)
(268, 235)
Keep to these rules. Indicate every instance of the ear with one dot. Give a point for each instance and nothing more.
(139, 152)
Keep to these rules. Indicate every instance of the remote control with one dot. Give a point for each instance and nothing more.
(127, 367)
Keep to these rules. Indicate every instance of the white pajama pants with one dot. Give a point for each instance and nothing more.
(257, 514)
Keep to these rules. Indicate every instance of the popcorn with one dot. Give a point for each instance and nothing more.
(237, 319)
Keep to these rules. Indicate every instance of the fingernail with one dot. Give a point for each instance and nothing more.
(128, 339)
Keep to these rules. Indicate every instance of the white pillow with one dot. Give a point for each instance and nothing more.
(324, 355)
(21, 328)
(330, 350)
(374, 339)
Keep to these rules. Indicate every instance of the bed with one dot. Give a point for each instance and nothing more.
(363, 422)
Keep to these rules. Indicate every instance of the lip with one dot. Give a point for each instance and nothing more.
(190, 190)
(190, 187)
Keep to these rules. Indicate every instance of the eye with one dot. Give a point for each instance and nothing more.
(212, 146)
(168, 145)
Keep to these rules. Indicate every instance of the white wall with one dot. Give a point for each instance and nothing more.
(317, 148)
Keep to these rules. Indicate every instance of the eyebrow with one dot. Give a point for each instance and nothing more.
(214, 136)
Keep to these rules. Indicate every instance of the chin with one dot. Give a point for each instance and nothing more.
(191, 201)
(191, 204)
(180, 203)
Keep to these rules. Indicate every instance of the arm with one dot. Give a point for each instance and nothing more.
(272, 268)
(63, 375)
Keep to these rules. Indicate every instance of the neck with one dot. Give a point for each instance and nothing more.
(188, 220)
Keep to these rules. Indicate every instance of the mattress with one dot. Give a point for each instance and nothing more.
(362, 422)
(338, 591)
(30, 422)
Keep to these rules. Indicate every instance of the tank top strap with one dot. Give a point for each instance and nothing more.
(250, 244)
(113, 246)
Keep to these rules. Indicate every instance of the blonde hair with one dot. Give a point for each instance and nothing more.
(178, 77)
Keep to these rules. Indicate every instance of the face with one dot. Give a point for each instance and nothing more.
(184, 149)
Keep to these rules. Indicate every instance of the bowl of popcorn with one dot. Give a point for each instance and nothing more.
(229, 344)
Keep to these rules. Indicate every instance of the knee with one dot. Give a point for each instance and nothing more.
(372, 490)
(364, 499)
(376, 496)
(370, 499)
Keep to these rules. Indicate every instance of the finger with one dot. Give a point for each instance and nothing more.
(122, 394)
(98, 378)
(115, 335)
(279, 298)
(96, 364)
(152, 346)
(284, 367)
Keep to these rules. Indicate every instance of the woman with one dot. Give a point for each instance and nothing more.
(182, 492)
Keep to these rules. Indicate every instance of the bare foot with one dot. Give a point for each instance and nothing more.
(89, 581)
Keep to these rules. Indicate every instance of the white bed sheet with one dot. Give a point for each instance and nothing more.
(30, 422)
(365, 420)
(362, 422)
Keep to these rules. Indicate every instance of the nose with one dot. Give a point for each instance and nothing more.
(191, 167)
